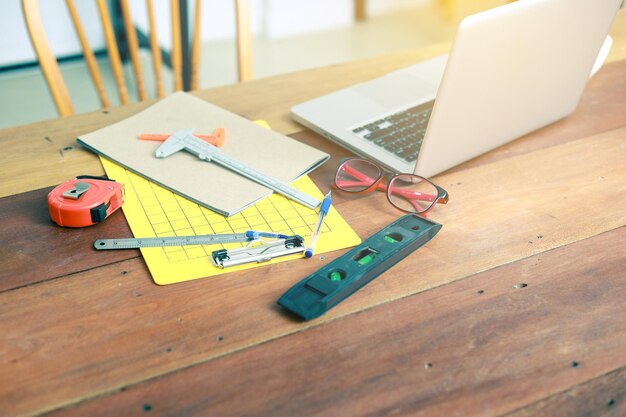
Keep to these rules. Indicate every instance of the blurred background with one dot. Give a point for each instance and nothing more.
(287, 36)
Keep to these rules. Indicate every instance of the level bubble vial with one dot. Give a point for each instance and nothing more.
(393, 238)
(365, 256)
(337, 275)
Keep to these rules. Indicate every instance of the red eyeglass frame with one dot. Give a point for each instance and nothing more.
(378, 185)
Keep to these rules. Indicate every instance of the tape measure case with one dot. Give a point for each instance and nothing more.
(84, 201)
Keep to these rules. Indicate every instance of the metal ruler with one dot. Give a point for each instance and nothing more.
(184, 139)
(153, 242)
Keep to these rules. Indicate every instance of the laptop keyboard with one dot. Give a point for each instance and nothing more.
(399, 133)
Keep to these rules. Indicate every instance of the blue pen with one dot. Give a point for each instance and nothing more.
(254, 235)
(320, 221)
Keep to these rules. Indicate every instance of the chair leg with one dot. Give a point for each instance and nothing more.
(244, 40)
(194, 82)
(176, 54)
(359, 10)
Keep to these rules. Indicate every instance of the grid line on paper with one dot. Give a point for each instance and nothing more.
(172, 215)
(152, 210)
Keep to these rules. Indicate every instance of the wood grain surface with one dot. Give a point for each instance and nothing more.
(512, 344)
(121, 309)
(516, 308)
(35, 249)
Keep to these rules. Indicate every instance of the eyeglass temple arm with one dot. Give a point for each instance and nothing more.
(348, 184)
(413, 195)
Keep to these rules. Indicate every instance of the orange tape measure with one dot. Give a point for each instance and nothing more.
(84, 201)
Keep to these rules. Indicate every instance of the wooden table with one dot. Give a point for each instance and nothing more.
(516, 308)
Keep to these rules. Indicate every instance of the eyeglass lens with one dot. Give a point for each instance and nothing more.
(357, 175)
(412, 193)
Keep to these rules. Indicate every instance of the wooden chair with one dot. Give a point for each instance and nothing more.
(54, 79)
(243, 40)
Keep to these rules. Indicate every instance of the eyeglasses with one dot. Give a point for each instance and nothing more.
(407, 192)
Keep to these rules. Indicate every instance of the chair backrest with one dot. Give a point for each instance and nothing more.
(52, 73)
(243, 39)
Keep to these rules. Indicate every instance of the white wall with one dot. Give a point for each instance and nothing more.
(15, 47)
(269, 18)
(272, 18)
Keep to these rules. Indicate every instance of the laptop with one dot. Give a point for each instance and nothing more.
(511, 70)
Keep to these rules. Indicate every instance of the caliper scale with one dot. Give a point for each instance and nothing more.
(184, 139)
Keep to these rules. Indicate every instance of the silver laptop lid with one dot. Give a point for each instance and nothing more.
(512, 69)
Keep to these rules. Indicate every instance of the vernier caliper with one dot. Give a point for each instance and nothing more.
(184, 139)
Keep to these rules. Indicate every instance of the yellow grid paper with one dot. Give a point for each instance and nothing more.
(153, 211)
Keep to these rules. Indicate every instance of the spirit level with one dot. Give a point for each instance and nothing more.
(331, 284)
